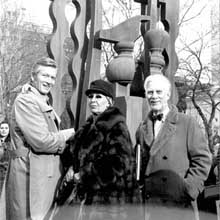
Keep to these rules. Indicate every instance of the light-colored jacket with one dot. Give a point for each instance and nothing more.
(35, 167)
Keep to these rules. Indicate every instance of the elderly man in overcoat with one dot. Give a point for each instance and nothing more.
(37, 143)
(175, 158)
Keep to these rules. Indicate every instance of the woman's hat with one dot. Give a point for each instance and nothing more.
(101, 86)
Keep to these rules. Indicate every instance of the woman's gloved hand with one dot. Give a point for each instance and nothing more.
(70, 175)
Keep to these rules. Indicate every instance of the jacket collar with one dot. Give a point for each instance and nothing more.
(44, 99)
(107, 119)
(43, 102)
(164, 135)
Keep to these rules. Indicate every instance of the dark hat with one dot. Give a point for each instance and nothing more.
(101, 86)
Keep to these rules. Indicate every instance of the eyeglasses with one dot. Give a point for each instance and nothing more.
(97, 96)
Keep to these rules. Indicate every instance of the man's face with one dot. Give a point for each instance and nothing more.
(4, 129)
(157, 94)
(44, 79)
(98, 103)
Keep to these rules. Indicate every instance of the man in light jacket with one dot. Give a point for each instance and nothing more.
(37, 143)
(175, 158)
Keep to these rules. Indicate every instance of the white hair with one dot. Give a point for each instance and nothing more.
(158, 77)
(110, 100)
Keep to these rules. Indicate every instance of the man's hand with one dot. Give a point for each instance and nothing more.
(25, 88)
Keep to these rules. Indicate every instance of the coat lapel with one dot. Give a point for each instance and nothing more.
(148, 132)
(46, 108)
(165, 133)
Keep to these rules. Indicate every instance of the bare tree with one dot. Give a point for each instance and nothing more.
(20, 44)
(190, 9)
(198, 72)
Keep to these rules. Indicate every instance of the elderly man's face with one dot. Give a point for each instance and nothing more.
(157, 94)
(44, 79)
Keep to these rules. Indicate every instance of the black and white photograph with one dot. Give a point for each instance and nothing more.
(109, 110)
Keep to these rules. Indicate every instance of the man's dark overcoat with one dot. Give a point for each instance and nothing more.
(176, 163)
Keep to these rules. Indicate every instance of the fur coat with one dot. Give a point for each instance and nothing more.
(103, 155)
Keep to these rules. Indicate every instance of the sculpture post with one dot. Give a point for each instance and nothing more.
(85, 60)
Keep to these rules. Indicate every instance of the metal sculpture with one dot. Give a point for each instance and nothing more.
(74, 77)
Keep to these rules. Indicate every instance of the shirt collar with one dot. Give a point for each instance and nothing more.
(165, 113)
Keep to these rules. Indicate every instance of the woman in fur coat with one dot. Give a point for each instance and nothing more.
(102, 155)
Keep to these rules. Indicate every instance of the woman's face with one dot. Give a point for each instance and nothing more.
(98, 103)
(4, 129)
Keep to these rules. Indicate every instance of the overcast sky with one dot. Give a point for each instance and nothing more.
(37, 11)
